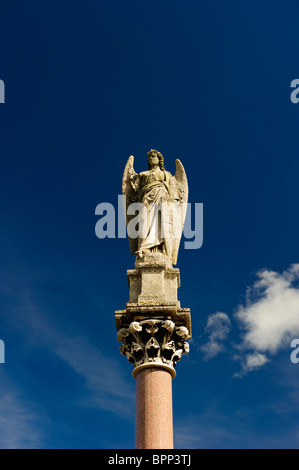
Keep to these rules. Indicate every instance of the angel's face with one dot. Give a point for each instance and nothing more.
(153, 159)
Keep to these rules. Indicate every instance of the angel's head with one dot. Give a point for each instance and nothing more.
(152, 155)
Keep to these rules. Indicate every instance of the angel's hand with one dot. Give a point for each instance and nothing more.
(133, 181)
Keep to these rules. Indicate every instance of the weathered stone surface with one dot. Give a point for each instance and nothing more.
(135, 312)
(164, 203)
(153, 342)
(153, 282)
(153, 328)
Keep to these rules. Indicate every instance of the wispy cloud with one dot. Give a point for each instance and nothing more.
(19, 424)
(106, 381)
(250, 362)
(216, 428)
(218, 327)
(104, 378)
(230, 432)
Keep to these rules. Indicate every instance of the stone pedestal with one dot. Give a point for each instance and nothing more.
(154, 330)
(153, 281)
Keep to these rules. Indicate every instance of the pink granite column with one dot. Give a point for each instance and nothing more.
(154, 424)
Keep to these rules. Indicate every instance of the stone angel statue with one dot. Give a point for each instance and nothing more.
(163, 199)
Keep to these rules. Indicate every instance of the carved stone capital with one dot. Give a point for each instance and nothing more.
(153, 342)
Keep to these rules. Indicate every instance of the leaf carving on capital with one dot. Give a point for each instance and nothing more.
(183, 332)
(134, 327)
(122, 334)
(152, 327)
(168, 325)
(168, 351)
(153, 341)
(152, 349)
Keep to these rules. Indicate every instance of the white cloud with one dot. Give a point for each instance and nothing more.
(271, 316)
(218, 326)
(267, 322)
(250, 362)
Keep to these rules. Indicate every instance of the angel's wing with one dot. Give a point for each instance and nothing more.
(181, 183)
(181, 179)
(128, 194)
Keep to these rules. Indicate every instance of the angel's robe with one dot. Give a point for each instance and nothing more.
(153, 191)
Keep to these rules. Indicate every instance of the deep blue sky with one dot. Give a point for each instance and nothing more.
(88, 83)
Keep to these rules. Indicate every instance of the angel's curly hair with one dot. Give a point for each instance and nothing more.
(159, 155)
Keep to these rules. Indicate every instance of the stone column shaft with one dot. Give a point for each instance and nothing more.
(154, 421)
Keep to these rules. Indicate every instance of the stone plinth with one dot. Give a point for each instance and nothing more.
(153, 282)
